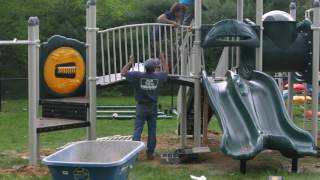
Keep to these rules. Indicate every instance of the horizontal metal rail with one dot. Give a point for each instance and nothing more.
(308, 13)
(139, 25)
(144, 41)
(17, 42)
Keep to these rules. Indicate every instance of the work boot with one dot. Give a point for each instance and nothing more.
(150, 156)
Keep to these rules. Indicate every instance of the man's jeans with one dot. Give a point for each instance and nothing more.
(189, 15)
(146, 112)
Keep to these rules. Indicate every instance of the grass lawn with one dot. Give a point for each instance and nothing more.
(14, 141)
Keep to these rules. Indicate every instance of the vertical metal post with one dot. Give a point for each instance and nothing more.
(239, 18)
(205, 119)
(315, 69)
(294, 165)
(33, 54)
(92, 55)
(197, 75)
(243, 166)
(87, 53)
(182, 101)
(240, 10)
(259, 51)
(293, 12)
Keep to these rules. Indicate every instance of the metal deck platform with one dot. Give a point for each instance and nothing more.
(52, 124)
(72, 100)
(114, 79)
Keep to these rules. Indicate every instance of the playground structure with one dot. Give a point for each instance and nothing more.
(247, 127)
(63, 107)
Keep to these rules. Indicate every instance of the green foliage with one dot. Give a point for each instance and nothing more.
(113, 13)
(67, 17)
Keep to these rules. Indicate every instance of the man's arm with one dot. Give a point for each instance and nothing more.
(163, 19)
(127, 67)
(163, 63)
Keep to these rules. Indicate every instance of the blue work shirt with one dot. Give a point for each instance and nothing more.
(146, 86)
(186, 1)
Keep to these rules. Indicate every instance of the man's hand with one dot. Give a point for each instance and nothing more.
(162, 58)
(131, 60)
(127, 67)
(163, 63)
(175, 24)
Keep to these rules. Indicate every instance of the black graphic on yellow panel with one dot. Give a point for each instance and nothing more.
(63, 68)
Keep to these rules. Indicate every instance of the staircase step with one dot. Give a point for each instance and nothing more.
(70, 101)
(123, 112)
(54, 124)
(65, 108)
(116, 107)
(124, 117)
(116, 111)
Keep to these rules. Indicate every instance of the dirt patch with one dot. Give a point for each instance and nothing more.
(218, 163)
(215, 162)
(25, 171)
(43, 153)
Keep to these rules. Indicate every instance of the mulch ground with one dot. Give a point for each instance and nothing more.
(214, 161)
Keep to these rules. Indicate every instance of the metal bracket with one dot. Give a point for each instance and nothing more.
(195, 76)
(20, 42)
(93, 78)
(92, 29)
(196, 28)
(315, 28)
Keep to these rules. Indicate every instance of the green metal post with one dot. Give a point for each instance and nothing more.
(0, 95)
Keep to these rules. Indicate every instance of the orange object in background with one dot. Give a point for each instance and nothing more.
(309, 114)
(301, 99)
(64, 70)
(296, 87)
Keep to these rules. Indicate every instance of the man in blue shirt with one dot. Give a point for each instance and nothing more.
(172, 16)
(146, 87)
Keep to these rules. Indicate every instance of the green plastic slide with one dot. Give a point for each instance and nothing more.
(253, 118)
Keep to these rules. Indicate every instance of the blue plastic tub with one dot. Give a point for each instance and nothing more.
(94, 160)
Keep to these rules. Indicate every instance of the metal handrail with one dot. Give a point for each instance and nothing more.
(17, 42)
(139, 25)
(308, 13)
(144, 42)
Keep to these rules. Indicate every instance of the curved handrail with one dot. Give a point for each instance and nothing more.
(139, 25)
(146, 41)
